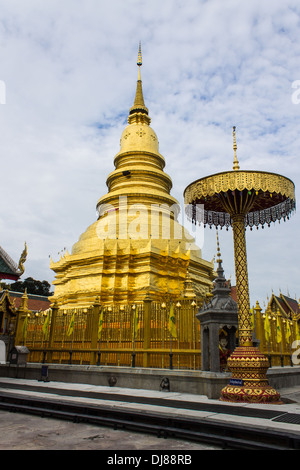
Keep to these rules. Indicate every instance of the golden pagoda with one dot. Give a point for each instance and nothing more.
(137, 246)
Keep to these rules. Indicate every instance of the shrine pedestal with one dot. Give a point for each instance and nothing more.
(249, 381)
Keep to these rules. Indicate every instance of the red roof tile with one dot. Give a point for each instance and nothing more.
(35, 302)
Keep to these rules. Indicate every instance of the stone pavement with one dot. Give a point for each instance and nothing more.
(20, 431)
(27, 432)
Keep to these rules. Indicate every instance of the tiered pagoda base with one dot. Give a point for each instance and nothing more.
(249, 382)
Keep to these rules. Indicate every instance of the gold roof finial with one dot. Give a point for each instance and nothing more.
(22, 260)
(235, 161)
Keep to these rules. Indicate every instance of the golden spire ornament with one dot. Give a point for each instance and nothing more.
(219, 260)
(235, 161)
(139, 104)
(139, 59)
(239, 199)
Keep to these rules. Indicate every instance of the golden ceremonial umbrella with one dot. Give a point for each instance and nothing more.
(242, 199)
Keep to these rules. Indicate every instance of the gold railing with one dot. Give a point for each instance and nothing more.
(283, 341)
(49, 338)
(150, 346)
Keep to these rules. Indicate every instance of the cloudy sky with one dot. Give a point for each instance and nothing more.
(67, 80)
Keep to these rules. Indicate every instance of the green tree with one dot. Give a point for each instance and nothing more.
(33, 286)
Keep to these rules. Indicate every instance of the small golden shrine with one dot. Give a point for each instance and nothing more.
(136, 246)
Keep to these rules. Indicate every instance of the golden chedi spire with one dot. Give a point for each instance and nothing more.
(139, 166)
(139, 104)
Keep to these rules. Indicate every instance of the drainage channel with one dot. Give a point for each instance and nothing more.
(224, 434)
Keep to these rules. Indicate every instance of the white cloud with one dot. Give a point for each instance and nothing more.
(69, 70)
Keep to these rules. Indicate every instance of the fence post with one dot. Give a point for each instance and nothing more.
(147, 330)
(22, 313)
(258, 327)
(54, 309)
(94, 333)
(20, 322)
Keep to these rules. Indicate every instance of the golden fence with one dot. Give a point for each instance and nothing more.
(136, 335)
(282, 344)
(49, 337)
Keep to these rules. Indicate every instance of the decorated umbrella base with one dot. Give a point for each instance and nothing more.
(249, 382)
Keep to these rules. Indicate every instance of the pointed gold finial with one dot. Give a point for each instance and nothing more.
(24, 300)
(235, 161)
(139, 60)
(219, 260)
(139, 104)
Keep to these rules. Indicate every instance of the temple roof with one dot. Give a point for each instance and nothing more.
(35, 303)
(287, 306)
(8, 268)
(6, 303)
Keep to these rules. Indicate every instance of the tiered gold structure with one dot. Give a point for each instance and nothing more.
(136, 246)
(239, 199)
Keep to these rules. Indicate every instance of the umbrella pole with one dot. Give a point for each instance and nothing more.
(247, 364)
